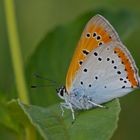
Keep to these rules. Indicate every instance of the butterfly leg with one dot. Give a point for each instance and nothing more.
(72, 111)
(97, 105)
(62, 106)
(68, 106)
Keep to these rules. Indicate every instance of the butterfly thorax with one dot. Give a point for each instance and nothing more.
(74, 99)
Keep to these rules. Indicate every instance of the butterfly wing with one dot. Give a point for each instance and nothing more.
(97, 32)
(108, 72)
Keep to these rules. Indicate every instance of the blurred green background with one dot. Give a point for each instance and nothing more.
(36, 18)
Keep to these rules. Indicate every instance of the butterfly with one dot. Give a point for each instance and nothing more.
(101, 69)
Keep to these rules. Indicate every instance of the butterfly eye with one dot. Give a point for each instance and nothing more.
(88, 35)
(61, 92)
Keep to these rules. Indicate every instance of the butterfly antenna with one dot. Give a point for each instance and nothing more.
(40, 86)
(40, 77)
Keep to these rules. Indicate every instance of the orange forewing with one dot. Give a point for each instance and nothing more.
(98, 31)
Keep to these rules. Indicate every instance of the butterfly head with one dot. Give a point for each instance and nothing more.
(61, 92)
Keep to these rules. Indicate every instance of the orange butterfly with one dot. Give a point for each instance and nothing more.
(101, 68)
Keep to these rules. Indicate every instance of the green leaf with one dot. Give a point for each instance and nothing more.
(93, 124)
(5, 117)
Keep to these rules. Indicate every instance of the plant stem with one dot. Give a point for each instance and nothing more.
(17, 61)
(15, 51)
(30, 133)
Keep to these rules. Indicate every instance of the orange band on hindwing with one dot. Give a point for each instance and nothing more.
(130, 71)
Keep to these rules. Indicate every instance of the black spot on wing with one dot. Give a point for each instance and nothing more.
(108, 59)
(100, 59)
(88, 35)
(89, 85)
(96, 77)
(100, 43)
(115, 67)
(80, 62)
(113, 61)
(118, 72)
(98, 37)
(123, 86)
(94, 34)
(121, 79)
(85, 70)
(95, 53)
(85, 52)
